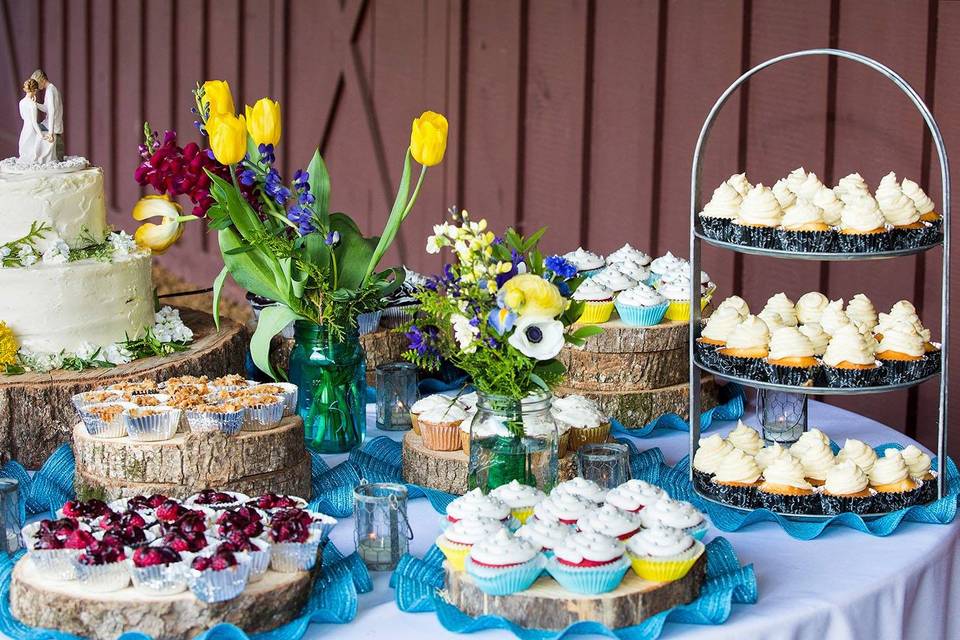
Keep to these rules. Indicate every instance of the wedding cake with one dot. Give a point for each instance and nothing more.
(68, 284)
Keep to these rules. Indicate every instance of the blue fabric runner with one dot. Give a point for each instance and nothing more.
(731, 408)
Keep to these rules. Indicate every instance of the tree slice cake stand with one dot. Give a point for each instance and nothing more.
(37, 416)
(447, 470)
(35, 600)
(251, 462)
(547, 605)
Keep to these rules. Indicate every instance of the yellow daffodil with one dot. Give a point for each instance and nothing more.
(531, 295)
(428, 138)
(217, 96)
(157, 237)
(228, 138)
(263, 121)
(8, 345)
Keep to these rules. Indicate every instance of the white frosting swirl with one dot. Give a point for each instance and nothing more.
(890, 469)
(474, 504)
(785, 196)
(594, 547)
(808, 189)
(671, 513)
(544, 534)
(862, 215)
(851, 187)
(436, 401)
(720, 323)
(641, 296)
(451, 412)
(817, 336)
(582, 488)
(812, 438)
(903, 338)
(817, 461)
(921, 200)
(735, 302)
(918, 463)
(861, 312)
(634, 270)
(565, 507)
(472, 531)
(578, 412)
(710, 452)
(859, 453)
(833, 317)
(801, 214)
(592, 291)
(725, 203)
(610, 521)
(518, 496)
(666, 263)
(626, 253)
(810, 307)
(486, 427)
(660, 542)
(845, 479)
(760, 208)
(848, 345)
(752, 333)
(789, 342)
(740, 183)
(675, 288)
(830, 206)
(898, 208)
(634, 495)
(614, 279)
(584, 260)
(784, 307)
(503, 550)
(786, 471)
(745, 438)
(767, 455)
(795, 178)
(737, 467)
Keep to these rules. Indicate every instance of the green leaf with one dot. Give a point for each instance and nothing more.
(217, 290)
(315, 250)
(394, 220)
(244, 217)
(319, 181)
(241, 249)
(587, 331)
(537, 380)
(253, 150)
(532, 241)
(353, 254)
(254, 270)
(272, 321)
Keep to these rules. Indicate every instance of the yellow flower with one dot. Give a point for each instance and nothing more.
(228, 138)
(531, 295)
(263, 121)
(157, 237)
(428, 138)
(8, 345)
(217, 96)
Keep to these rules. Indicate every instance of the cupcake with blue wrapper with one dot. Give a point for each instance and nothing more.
(544, 534)
(641, 306)
(504, 564)
(589, 563)
(663, 554)
(586, 262)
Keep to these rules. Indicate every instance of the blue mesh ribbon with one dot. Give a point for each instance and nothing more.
(417, 582)
(731, 409)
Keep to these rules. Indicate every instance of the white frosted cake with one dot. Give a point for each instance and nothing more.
(67, 283)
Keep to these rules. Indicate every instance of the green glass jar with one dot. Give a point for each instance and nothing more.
(330, 374)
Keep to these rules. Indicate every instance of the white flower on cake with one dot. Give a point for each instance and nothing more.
(465, 333)
(169, 327)
(27, 256)
(116, 354)
(538, 338)
(4, 253)
(123, 243)
(57, 253)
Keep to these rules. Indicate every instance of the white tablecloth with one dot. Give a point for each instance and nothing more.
(844, 584)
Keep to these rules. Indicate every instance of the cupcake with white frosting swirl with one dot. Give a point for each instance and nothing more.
(805, 229)
(586, 262)
(863, 227)
(760, 214)
(830, 205)
(902, 353)
(565, 508)
(719, 213)
(634, 270)
(921, 201)
(677, 514)
(890, 478)
(663, 554)
(785, 196)
(851, 187)
(545, 534)
(832, 317)
(714, 334)
(633, 495)
(740, 184)
(737, 303)
(589, 563)
(610, 521)
(795, 178)
(641, 306)
(710, 451)
(918, 466)
(597, 300)
(587, 424)
(504, 564)
(785, 488)
(736, 480)
(746, 348)
(817, 337)
(614, 279)
(582, 488)
(767, 455)
(521, 498)
(791, 359)
(457, 539)
(817, 462)
(862, 313)
(897, 208)
(849, 359)
(859, 453)
(846, 489)
(745, 438)
(783, 306)
(626, 253)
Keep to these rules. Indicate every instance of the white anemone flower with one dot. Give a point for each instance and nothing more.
(539, 338)
(465, 333)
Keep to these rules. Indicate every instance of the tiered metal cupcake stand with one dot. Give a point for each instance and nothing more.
(697, 236)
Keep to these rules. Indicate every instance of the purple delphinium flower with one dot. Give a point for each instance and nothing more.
(515, 260)
(560, 266)
(422, 340)
(266, 154)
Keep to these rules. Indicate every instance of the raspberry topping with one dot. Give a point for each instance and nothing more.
(211, 496)
(190, 522)
(290, 525)
(79, 539)
(273, 501)
(180, 541)
(106, 551)
(222, 559)
(244, 519)
(113, 520)
(152, 556)
(85, 509)
(170, 510)
(61, 527)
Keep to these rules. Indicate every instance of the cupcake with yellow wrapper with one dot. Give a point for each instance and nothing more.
(520, 498)
(663, 554)
(597, 302)
(675, 287)
(586, 423)
(457, 540)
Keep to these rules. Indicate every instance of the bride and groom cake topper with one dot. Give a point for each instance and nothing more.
(41, 142)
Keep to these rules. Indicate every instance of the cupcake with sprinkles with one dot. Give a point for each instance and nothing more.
(565, 508)
(586, 262)
(846, 489)
(663, 554)
(504, 564)
(597, 301)
(610, 521)
(589, 563)
(633, 495)
(544, 534)
(641, 306)
(474, 504)
(677, 514)
(582, 488)
(626, 253)
(458, 539)
(520, 498)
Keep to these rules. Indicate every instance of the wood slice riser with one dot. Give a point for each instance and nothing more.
(37, 416)
(271, 602)
(638, 408)
(252, 462)
(447, 470)
(547, 605)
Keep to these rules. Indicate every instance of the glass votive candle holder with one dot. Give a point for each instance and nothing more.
(382, 531)
(782, 415)
(607, 464)
(396, 393)
(10, 516)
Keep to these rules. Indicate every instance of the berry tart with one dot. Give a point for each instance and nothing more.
(215, 499)
(257, 549)
(271, 502)
(101, 567)
(220, 576)
(158, 571)
(295, 541)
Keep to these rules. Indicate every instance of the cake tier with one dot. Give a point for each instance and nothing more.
(58, 307)
(71, 203)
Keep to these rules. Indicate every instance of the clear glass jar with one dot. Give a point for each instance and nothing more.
(513, 440)
(331, 380)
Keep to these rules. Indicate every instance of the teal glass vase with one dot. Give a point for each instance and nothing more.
(330, 374)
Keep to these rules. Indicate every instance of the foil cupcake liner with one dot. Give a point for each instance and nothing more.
(154, 427)
(369, 322)
(103, 578)
(931, 363)
(80, 401)
(161, 579)
(807, 241)
(580, 436)
(259, 560)
(445, 437)
(781, 503)
(707, 354)
(212, 511)
(736, 495)
(289, 394)
(290, 557)
(835, 505)
(903, 239)
(703, 484)
(864, 242)
(927, 492)
(716, 228)
(641, 316)
(852, 378)
(218, 586)
(56, 564)
(502, 581)
(229, 422)
(759, 237)
(264, 417)
(900, 371)
(589, 580)
(887, 501)
(99, 428)
(322, 524)
(393, 317)
(793, 376)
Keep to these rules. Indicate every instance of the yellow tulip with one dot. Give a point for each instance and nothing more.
(228, 138)
(263, 121)
(428, 138)
(8, 345)
(531, 295)
(157, 237)
(216, 95)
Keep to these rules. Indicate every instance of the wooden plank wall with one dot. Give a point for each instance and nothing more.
(576, 114)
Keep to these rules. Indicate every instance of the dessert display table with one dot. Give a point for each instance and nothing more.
(251, 462)
(843, 584)
(37, 416)
(271, 602)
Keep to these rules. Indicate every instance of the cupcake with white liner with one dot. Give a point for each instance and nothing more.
(859, 453)
(626, 253)
(710, 452)
(663, 554)
(641, 306)
(565, 508)
(586, 423)
(740, 183)
(863, 227)
(849, 360)
(597, 301)
(745, 438)
(846, 489)
(610, 521)
(718, 214)
(785, 488)
(736, 480)
(520, 498)
(159, 570)
(219, 577)
(582, 488)
(804, 229)
(440, 427)
(589, 563)
(586, 262)
(105, 420)
(427, 403)
(151, 424)
(677, 514)
(633, 495)
(457, 540)
(504, 564)
(760, 215)
(544, 534)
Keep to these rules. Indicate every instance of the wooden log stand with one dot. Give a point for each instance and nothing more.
(37, 416)
(252, 462)
(271, 602)
(547, 605)
(447, 470)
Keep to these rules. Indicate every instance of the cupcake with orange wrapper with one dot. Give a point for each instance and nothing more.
(663, 554)
(849, 360)
(757, 221)
(589, 563)
(890, 478)
(863, 227)
(859, 453)
(718, 214)
(457, 540)
(597, 302)
(804, 229)
(736, 480)
(846, 489)
(435, 401)
(791, 359)
(521, 499)
(785, 489)
(504, 564)
(746, 349)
